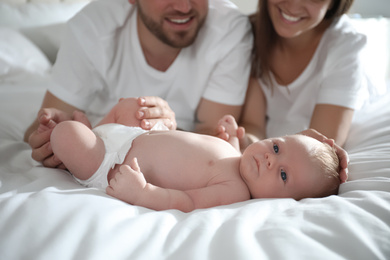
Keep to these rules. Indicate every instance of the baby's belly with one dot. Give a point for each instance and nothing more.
(178, 160)
(173, 175)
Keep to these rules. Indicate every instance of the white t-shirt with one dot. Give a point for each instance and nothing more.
(334, 76)
(100, 61)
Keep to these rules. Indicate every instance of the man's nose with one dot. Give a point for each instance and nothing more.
(183, 6)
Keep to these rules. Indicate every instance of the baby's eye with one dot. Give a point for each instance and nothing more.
(276, 148)
(283, 174)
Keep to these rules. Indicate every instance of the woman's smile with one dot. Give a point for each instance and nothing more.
(289, 18)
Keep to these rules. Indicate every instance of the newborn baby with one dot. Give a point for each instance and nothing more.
(185, 171)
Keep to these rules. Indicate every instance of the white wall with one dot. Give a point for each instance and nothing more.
(248, 6)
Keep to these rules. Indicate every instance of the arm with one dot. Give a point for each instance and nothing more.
(206, 121)
(229, 75)
(332, 121)
(130, 185)
(253, 117)
(340, 88)
(39, 140)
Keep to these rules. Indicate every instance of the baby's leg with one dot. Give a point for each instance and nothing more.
(82, 118)
(124, 112)
(80, 150)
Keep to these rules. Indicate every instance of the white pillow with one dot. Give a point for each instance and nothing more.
(17, 53)
(37, 14)
(48, 38)
(42, 23)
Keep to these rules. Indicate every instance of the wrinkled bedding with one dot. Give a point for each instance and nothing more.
(45, 214)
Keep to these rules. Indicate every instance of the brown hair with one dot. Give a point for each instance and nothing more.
(265, 35)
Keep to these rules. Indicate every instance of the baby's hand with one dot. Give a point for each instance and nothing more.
(127, 184)
(228, 125)
(227, 128)
(229, 131)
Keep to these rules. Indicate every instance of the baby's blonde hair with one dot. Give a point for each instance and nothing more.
(327, 164)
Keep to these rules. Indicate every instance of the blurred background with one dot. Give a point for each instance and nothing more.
(366, 7)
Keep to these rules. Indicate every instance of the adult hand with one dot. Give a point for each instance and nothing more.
(341, 153)
(39, 140)
(154, 109)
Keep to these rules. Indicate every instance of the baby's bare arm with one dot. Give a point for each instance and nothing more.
(130, 186)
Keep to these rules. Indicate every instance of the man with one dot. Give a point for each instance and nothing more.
(188, 59)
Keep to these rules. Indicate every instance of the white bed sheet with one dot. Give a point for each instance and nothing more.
(45, 214)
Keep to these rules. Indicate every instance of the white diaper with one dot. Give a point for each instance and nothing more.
(117, 141)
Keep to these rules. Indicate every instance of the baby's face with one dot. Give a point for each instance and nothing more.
(280, 168)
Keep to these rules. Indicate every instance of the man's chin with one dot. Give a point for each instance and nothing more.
(181, 41)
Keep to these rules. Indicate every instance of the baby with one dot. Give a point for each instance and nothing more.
(181, 170)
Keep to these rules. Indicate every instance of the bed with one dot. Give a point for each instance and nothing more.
(45, 214)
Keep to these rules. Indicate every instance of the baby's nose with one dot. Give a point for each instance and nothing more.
(270, 160)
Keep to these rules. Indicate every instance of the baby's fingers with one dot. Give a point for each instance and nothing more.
(109, 190)
(134, 165)
(240, 132)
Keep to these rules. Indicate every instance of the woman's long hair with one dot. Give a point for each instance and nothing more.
(265, 35)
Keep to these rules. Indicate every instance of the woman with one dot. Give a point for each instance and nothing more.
(306, 69)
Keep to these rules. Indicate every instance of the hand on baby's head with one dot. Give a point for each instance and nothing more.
(341, 153)
(343, 175)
